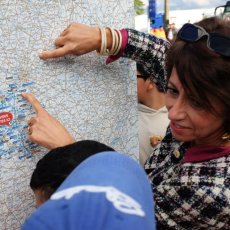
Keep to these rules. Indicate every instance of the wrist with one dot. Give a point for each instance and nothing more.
(111, 41)
(97, 39)
(67, 141)
(109, 38)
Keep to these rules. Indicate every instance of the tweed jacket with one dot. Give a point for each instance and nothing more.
(186, 195)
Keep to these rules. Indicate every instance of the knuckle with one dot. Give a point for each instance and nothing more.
(35, 120)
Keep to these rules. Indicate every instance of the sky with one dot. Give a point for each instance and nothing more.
(181, 11)
(190, 4)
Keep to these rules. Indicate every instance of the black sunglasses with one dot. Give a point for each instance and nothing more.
(215, 41)
(142, 76)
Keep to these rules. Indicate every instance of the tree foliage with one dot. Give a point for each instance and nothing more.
(139, 7)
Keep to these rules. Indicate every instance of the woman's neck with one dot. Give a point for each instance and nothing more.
(213, 140)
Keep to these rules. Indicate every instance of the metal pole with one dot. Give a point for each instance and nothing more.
(166, 15)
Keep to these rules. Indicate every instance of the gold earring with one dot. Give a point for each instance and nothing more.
(226, 137)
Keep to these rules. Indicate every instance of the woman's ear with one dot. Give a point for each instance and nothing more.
(150, 84)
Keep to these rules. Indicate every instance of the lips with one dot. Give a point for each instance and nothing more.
(177, 127)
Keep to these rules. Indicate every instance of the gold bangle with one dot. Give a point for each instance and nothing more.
(113, 40)
(103, 49)
(119, 42)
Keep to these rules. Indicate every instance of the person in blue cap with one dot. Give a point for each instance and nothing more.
(107, 191)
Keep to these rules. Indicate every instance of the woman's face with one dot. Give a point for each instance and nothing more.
(189, 121)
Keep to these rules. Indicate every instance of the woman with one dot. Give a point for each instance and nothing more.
(189, 171)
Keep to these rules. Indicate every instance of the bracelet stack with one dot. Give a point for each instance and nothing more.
(116, 42)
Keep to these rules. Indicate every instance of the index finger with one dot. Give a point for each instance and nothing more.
(34, 102)
(59, 52)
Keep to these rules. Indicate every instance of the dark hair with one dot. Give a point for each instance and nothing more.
(145, 75)
(57, 164)
(202, 72)
(140, 68)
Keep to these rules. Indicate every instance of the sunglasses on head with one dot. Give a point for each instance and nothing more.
(215, 41)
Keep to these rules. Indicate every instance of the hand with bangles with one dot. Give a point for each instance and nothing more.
(44, 129)
(79, 39)
(76, 39)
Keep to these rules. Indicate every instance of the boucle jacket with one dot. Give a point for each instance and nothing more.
(187, 195)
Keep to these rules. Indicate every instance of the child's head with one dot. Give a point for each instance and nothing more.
(57, 164)
(143, 74)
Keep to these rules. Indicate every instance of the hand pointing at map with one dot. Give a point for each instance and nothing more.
(76, 39)
(44, 129)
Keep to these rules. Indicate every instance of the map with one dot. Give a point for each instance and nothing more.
(93, 100)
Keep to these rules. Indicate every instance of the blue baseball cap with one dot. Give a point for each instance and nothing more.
(107, 191)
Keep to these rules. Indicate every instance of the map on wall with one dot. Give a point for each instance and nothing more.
(93, 100)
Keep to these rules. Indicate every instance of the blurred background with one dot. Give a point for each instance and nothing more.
(164, 17)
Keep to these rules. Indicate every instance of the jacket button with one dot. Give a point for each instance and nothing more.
(176, 154)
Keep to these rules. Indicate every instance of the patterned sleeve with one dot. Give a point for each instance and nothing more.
(149, 51)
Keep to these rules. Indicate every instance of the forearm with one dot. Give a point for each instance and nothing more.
(79, 39)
